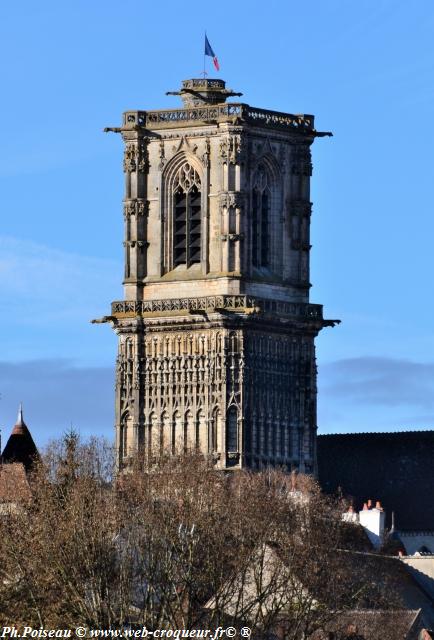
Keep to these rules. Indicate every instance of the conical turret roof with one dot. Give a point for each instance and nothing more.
(20, 447)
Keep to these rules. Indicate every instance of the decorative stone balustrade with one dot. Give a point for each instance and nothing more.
(167, 118)
(215, 303)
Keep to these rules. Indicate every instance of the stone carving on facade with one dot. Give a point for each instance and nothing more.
(304, 267)
(142, 156)
(282, 157)
(235, 113)
(188, 177)
(299, 207)
(130, 157)
(124, 373)
(191, 134)
(129, 208)
(232, 237)
(301, 161)
(300, 211)
(206, 153)
(267, 148)
(184, 144)
(275, 365)
(141, 244)
(138, 207)
(136, 156)
(137, 371)
(142, 207)
(120, 370)
(231, 149)
(232, 199)
(217, 353)
(162, 156)
(176, 368)
(242, 303)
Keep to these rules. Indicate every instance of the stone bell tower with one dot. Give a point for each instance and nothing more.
(216, 332)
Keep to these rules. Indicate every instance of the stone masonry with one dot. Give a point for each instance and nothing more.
(216, 332)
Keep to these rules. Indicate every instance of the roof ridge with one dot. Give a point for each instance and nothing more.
(377, 433)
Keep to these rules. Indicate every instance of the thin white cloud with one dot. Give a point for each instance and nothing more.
(40, 284)
(390, 382)
(57, 393)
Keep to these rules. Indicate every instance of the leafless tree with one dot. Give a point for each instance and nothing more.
(176, 544)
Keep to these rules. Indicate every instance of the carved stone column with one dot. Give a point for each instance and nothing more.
(136, 165)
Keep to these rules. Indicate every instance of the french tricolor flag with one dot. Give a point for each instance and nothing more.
(209, 52)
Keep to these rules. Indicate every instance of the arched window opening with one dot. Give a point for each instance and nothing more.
(187, 217)
(123, 441)
(155, 430)
(265, 239)
(178, 434)
(261, 218)
(202, 433)
(167, 433)
(216, 431)
(190, 432)
(126, 436)
(255, 228)
(232, 430)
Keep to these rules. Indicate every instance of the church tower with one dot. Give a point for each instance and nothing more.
(216, 332)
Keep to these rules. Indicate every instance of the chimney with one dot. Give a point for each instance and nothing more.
(373, 521)
(350, 515)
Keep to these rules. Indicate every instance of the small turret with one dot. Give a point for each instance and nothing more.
(20, 446)
(199, 91)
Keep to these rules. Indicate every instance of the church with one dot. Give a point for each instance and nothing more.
(216, 332)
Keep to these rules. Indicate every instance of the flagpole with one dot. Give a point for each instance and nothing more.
(204, 60)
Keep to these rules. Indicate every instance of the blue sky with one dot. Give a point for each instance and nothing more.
(365, 69)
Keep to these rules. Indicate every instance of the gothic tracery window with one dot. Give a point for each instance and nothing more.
(186, 217)
(261, 204)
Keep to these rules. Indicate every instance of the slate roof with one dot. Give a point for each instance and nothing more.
(395, 468)
(20, 447)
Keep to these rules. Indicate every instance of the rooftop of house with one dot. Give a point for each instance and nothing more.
(396, 468)
(373, 624)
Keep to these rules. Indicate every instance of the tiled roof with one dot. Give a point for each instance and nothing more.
(395, 468)
(20, 447)
(370, 624)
